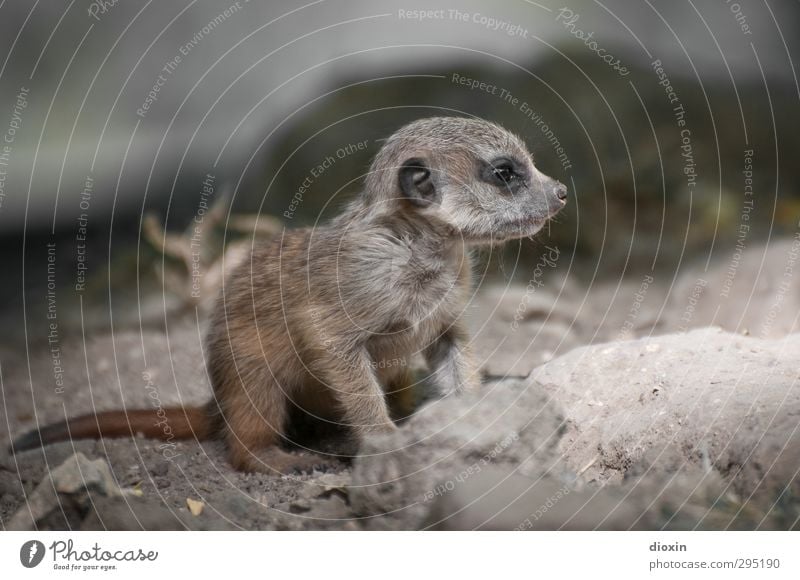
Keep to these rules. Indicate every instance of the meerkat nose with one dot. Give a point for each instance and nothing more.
(561, 191)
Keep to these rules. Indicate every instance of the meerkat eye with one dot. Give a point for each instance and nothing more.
(503, 172)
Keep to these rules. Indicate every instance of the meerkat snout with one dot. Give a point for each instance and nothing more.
(555, 194)
(561, 191)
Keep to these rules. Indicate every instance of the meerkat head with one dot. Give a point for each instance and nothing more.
(470, 174)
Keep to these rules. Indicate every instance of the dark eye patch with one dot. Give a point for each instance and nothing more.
(504, 172)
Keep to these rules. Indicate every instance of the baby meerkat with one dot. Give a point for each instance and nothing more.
(324, 319)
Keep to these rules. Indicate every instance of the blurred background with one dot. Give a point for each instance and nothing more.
(143, 144)
(674, 124)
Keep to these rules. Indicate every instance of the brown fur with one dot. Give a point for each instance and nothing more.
(326, 320)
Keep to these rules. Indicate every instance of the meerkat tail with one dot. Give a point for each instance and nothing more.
(165, 424)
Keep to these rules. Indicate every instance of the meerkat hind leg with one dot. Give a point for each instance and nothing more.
(254, 436)
(274, 460)
(262, 455)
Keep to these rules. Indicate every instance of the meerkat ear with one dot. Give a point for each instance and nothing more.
(416, 182)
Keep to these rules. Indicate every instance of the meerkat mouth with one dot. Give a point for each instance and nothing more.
(513, 230)
(525, 227)
(528, 226)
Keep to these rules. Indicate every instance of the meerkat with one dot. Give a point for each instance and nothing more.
(317, 318)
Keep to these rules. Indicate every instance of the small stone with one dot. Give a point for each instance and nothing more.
(240, 506)
(160, 469)
(195, 506)
(75, 478)
(300, 506)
